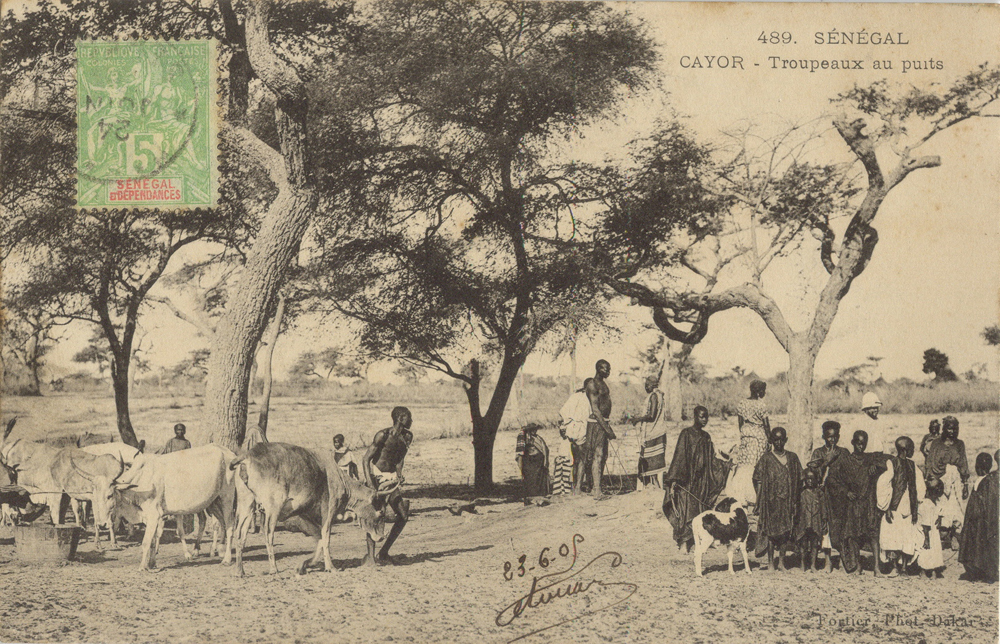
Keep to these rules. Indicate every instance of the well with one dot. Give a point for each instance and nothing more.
(46, 543)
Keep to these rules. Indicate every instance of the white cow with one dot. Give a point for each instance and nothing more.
(184, 482)
(125, 454)
(47, 472)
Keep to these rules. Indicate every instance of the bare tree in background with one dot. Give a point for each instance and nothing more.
(780, 202)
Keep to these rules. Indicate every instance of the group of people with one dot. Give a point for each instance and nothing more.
(872, 495)
(582, 452)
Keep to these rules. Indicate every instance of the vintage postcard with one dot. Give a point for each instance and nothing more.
(499, 321)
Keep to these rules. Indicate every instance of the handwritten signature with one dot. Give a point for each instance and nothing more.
(553, 586)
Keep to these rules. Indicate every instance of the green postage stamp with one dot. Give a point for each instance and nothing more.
(147, 130)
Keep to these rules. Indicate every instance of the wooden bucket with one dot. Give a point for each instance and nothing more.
(51, 544)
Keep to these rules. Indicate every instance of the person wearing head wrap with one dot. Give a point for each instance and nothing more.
(652, 436)
(754, 426)
(532, 456)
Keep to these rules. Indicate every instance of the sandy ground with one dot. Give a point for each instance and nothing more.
(450, 583)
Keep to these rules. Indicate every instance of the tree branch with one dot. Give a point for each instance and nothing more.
(863, 148)
(250, 146)
(748, 296)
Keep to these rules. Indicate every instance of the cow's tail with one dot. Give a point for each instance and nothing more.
(238, 460)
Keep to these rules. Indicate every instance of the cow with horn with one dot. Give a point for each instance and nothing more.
(47, 473)
(291, 482)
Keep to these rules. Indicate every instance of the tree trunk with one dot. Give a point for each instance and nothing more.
(674, 402)
(242, 325)
(273, 329)
(34, 366)
(572, 365)
(120, 384)
(484, 432)
(801, 364)
(276, 244)
(482, 439)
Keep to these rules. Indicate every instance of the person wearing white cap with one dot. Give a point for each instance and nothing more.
(878, 440)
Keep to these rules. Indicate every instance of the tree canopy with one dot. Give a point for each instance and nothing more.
(460, 110)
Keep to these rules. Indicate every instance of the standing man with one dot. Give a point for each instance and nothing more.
(899, 532)
(383, 466)
(178, 442)
(653, 437)
(878, 439)
(695, 479)
(776, 479)
(854, 519)
(598, 428)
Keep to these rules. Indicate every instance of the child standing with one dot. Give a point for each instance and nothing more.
(813, 521)
(929, 556)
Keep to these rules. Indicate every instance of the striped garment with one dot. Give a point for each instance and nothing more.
(653, 456)
(562, 478)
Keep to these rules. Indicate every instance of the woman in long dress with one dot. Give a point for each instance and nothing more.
(755, 431)
(755, 426)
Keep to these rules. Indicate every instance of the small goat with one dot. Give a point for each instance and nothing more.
(727, 525)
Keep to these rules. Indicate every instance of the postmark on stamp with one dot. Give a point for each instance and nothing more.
(147, 124)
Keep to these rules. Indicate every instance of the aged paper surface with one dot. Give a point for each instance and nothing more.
(757, 86)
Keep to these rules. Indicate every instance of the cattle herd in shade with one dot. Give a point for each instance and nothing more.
(123, 482)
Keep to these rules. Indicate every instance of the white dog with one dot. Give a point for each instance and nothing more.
(728, 525)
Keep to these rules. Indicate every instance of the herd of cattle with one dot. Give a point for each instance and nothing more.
(123, 482)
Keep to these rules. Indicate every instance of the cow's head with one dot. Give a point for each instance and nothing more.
(369, 506)
(134, 485)
(104, 493)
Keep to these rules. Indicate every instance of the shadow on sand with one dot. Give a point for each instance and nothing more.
(407, 560)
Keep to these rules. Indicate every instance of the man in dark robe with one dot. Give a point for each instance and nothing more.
(945, 451)
(695, 479)
(854, 519)
(980, 548)
(776, 481)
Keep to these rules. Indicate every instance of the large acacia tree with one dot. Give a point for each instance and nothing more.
(100, 263)
(776, 199)
(128, 250)
(465, 106)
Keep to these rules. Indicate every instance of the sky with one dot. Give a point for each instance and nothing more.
(934, 278)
